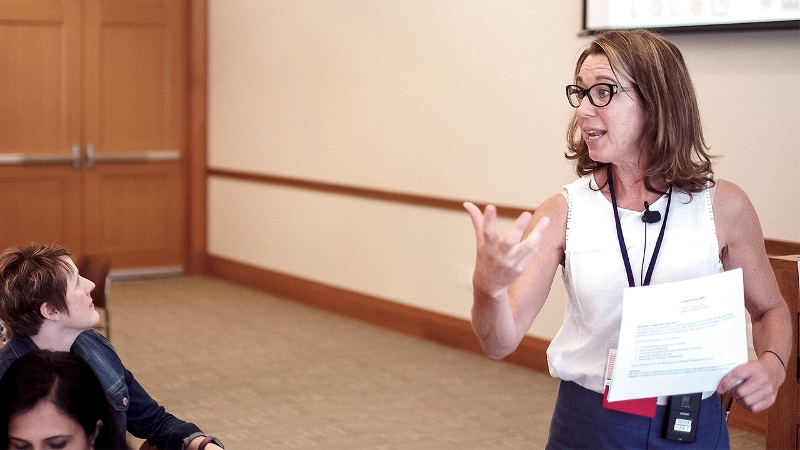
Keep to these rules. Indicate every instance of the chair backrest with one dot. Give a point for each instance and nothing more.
(95, 268)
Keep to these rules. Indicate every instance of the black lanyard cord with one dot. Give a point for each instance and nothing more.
(621, 238)
(644, 252)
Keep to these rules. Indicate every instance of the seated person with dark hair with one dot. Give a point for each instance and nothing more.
(47, 305)
(54, 400)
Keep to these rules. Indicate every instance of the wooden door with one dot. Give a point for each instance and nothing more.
(93, 106)
(135, 125)
(40, 180)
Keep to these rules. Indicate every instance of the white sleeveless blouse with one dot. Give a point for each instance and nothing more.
(594, 273)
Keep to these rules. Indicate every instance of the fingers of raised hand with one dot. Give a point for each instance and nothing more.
(483, 222)
(511, 249)
(515, 235)
(476, 216)
(529, 245)
(518, 254)
(489, 221)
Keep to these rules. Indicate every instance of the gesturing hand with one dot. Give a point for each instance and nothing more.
(499, 262)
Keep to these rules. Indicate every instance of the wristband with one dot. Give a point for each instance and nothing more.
(776, 355)
(208, 439)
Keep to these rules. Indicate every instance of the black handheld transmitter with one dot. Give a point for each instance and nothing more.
(683, 415)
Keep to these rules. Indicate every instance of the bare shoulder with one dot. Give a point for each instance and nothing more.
(738, 228)
(732, 207)
(729, 196)
(556, 209)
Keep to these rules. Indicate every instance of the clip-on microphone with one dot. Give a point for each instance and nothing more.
(650, 216)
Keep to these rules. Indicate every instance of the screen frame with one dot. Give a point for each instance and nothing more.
(733, 26)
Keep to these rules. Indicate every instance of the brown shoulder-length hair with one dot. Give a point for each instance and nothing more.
(29, 277)
(677, 151)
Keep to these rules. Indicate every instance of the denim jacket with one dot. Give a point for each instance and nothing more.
(142, 416)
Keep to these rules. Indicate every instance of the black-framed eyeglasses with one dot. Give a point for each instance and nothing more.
(600, 94)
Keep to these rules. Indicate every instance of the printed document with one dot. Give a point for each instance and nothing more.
(679, 338)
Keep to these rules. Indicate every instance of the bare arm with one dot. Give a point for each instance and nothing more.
(742, 245)
(513, 275)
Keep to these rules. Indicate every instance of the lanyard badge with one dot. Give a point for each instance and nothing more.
(644, 406)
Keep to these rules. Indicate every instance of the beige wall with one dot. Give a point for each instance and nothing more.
(460, 99)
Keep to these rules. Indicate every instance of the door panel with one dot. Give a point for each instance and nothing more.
(40, 204)
(133, 98)
(137, 213)
(32, 120)
(40, 74)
